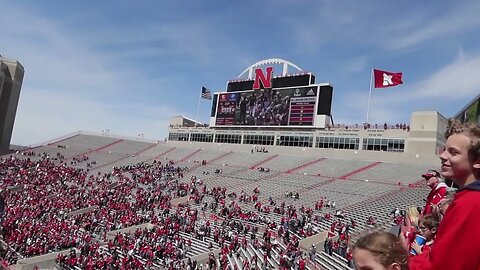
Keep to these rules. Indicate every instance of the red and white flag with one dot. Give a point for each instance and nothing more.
(386, 79)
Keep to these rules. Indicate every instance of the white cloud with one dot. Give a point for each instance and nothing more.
(460, 18)
(68, 86)
(369, 23)
(185, 40)
(44, 117)
(445, 90)
(457, 80)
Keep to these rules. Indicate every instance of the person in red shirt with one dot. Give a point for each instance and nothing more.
(439, 189)
(301, 264)
(349, 257)
(456, 243)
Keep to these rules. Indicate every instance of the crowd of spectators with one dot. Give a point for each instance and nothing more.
(40, 217)
(43, 193)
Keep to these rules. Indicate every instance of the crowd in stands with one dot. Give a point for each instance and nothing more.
(37, 222)
(51, 206)
(38, 219)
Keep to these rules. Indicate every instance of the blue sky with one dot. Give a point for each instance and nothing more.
(128, 66)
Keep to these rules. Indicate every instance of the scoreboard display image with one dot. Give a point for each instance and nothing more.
(295, 106)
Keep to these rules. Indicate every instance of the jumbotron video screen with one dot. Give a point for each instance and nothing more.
(268, 107)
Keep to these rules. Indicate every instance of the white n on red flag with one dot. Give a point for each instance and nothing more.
(386, 79)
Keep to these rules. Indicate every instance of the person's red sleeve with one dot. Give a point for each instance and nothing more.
(456, 244)
(441, 193)
(426, 249)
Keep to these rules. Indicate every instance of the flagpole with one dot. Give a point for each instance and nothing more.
(369, 94)
(198, 109)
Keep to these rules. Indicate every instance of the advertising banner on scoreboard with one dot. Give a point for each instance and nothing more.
(273, 107)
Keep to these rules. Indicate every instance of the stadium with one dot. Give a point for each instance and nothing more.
(271, 182)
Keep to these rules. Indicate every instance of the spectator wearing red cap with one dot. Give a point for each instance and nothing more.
(438, 192)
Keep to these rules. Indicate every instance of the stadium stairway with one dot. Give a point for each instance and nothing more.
(350, 174)
(62, 139)
(124, 157)
(161, 154)
(263, 161)
(220, 157)
(250, 252)
(304, 165)
(243, 254)
(320, 184)
(343, 262)
(190, 155)
(198, 246)
(95, 150)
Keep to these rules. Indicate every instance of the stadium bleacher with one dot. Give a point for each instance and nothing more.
(120, 183)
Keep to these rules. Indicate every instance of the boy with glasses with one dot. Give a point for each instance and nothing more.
(427, 228)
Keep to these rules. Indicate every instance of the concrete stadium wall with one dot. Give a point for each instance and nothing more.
(176, 201)
(47, 261)
(111, 235)
(316, 240)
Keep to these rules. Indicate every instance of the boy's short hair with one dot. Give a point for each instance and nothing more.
(430, 221)
(471, 130)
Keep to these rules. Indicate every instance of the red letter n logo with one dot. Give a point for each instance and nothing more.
(260, 77)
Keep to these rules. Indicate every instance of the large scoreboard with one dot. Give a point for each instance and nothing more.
(268, 107)
(265, 100)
